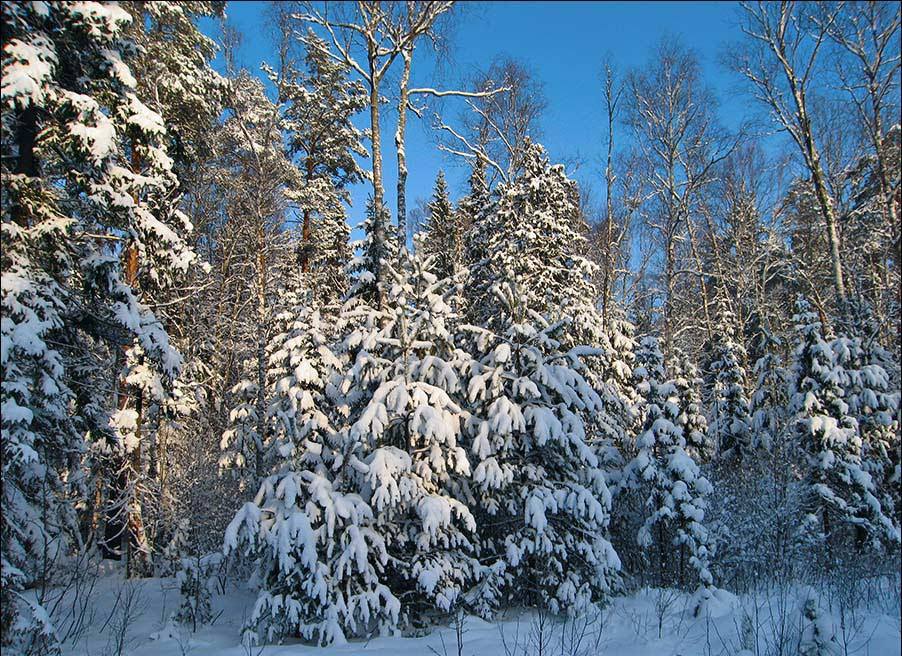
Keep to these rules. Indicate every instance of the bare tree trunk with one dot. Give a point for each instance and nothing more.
(307, 229)
(826, 207)
(26, 162)
(261, 352)
(379, 233)
(611, 256)
(400, 136)
(706, 301)
(668, 298)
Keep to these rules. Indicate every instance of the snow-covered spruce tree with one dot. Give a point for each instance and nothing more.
(319, 560)
(472, 210)
(442, 238)
(364, 513)
(769, 401)
(376, 250)
(729, 423)
(319, 104)
(533, 238)
(406, 420)
(669, 481)
(872, 400)
(311, 528)
(839, 495)
(687, 381)
(541, 502)
(299, 358)
(86, 176)
(621, 398)
(754, 515)
(193, 578)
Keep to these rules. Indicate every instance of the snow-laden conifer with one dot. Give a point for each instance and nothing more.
(541, 500)
(839, 493)
(668, 480)
(729, 423)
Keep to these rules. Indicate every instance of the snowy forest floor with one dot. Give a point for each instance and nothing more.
(113, 616)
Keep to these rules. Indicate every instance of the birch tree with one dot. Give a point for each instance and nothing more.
(780, 64)
(680, 143)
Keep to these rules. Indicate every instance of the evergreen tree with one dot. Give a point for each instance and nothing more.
(687, 382)
(443, 235)
(299, 359)
(622, 401)
(533, 238)
(471, 209)
(317, 555)
(872, 400)
(668, 479)
(258, 180)
(407, 418)
(769, 402)
(729, 423)
(86, 176)
(319, 105)
(173, 72)
(838, 493)
(541, 500)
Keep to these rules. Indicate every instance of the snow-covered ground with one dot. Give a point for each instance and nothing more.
(135, 618)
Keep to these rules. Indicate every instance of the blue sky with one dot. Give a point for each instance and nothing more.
(565, 44)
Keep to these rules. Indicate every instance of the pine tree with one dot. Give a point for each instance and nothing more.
(173, 71)
(615, 384)
(85, 168)
(299, 358)
(838, 493)
(319, 105)
(309, 530)
(668, 479)
(473, 210)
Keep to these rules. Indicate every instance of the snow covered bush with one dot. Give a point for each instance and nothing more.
(193, 578)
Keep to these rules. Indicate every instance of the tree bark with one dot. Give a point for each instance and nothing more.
(307, 229)
(400, 136)
(260, 401)
(379, 232)
(611, 257)
(26, 162)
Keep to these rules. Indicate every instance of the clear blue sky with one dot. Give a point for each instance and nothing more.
(564, 43)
